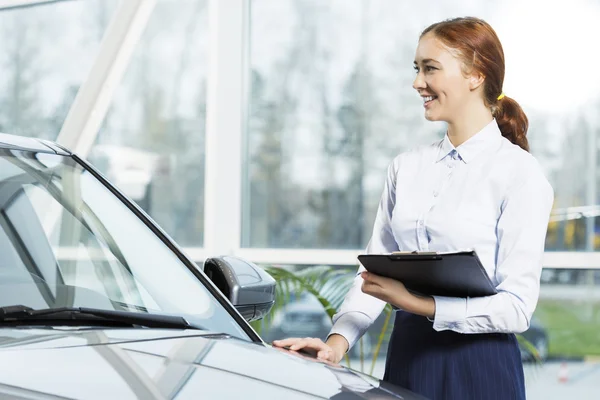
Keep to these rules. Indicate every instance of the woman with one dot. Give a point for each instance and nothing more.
(477, 188)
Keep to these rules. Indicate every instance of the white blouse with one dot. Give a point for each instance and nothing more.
(486, 194)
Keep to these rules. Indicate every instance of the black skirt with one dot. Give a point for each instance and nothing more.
(448, 365)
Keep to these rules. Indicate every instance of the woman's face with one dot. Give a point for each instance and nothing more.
(440, 81)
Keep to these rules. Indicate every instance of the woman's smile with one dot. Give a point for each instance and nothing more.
(428, 100)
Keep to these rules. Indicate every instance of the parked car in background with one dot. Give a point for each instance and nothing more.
(304, 317)
(537, 336)
(96, 301)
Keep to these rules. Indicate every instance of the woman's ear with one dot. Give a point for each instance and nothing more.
(476, 80)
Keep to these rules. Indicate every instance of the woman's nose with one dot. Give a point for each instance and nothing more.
(418, 83)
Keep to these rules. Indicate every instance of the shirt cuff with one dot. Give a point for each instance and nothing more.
(450, 313)
(351, 325)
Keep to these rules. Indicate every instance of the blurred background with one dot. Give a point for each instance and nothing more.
(263, 129)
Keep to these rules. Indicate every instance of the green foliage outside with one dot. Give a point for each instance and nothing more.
(573, 327)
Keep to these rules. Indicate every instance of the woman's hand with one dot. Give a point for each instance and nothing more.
(332, 351)
(394, 292)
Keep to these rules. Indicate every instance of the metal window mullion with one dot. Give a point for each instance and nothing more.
(224, 125)
(85, 116)
(551, 260)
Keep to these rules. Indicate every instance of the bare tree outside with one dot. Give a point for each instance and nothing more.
(158, 114)
(44, 58)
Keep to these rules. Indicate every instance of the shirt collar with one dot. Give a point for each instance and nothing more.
(483, 139)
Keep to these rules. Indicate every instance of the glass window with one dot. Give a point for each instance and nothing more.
(331, 104)
(70, 242)
(46, 53)
(151, 144)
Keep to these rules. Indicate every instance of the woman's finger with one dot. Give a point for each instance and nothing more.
(286, 342)
(311, 343)
(369, 287)
(321, 349)
(326, 355)
(298, 343)
(373, 278)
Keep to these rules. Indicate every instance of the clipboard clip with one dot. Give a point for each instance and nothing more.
(415, 255)
(427, 253)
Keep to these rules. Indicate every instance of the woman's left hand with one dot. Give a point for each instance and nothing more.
(394, 292)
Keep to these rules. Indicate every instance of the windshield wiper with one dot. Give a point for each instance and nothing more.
(22, 315)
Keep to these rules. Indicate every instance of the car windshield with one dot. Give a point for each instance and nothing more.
(67, 241)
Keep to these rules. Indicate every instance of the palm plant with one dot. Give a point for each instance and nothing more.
(328, 285)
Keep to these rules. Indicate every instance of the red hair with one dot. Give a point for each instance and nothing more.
(480, 50)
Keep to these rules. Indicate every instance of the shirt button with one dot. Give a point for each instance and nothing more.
(420, 223)
(435, 194)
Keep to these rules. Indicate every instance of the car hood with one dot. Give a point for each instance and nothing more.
(168, 364)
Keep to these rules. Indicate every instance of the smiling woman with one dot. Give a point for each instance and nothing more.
(453, 62)
(477, 188)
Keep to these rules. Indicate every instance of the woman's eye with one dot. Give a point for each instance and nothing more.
(427, 68)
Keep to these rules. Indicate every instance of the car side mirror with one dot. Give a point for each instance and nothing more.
(247, 286)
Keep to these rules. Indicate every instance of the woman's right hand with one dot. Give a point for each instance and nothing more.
(332, 351)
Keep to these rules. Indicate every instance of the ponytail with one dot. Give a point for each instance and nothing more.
(512, 121)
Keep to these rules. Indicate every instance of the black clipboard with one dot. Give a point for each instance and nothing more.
(458, 274)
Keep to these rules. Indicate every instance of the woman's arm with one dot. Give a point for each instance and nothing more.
(521, 232)
(359, 310)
